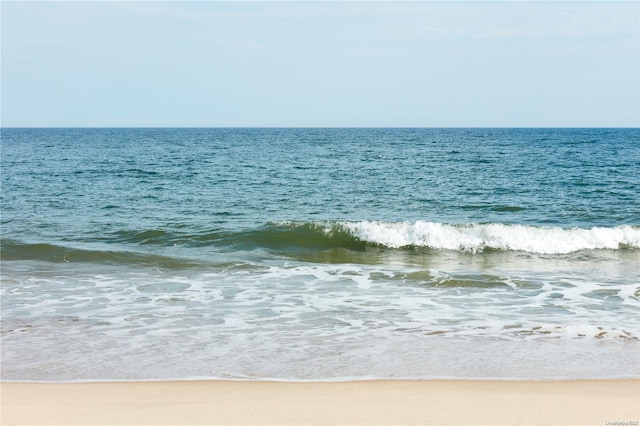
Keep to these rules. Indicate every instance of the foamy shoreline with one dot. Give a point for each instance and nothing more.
(374, 402)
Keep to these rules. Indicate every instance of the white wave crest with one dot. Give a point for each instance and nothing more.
(476, 237)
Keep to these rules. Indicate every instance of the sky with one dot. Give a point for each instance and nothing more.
(320, 64)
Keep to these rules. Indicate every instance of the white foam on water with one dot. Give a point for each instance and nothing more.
(302, 321)
(476, 237)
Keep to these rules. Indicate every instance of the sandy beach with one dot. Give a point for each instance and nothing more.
(430, 402)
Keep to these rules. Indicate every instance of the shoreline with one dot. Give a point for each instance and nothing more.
(363, 402)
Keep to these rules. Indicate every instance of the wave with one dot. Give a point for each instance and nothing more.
(479, 237)
(357, 236)
(318, 237)
(54, 253)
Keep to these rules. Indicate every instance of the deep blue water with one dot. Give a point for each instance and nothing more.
(305, 254)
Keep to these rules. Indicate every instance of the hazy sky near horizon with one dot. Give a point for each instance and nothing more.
(325, 64)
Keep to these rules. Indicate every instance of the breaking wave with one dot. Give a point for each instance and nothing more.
(290, 237)
(478, 237)
(358, 235)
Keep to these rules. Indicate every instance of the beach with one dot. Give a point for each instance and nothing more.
(320, 276)
(389, 402)
(320, 213)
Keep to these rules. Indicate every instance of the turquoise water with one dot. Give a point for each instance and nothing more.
(320, 254)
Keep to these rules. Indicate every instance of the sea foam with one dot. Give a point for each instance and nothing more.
(477, 237)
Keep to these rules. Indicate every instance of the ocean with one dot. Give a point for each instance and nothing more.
(319, 254)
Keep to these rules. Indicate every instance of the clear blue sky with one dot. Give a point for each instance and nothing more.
(422, 64)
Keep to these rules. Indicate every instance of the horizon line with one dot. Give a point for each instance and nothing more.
(319, 127)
